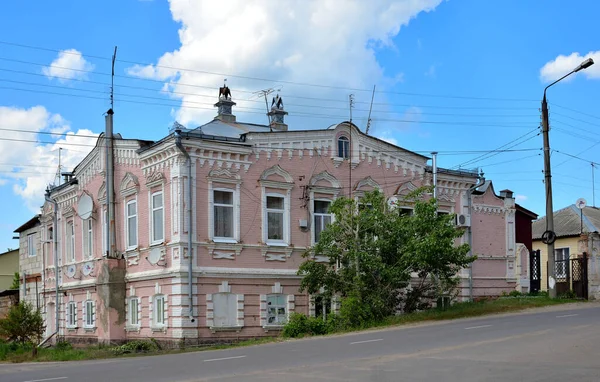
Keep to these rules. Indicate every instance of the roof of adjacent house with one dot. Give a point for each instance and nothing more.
(29, 224)
(568, 222)
(10, 252)
(527, 212)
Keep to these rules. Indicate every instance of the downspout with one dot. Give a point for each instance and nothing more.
(480, 182)
(188, 161)
(55, 250)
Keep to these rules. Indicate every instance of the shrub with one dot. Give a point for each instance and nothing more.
(63, 346)
(354, 313)
(23, 324)
(137, 346)
(515, 293)
(569, 295)
(299, 325)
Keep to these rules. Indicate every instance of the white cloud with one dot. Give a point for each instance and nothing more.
(520, 198)
(562, 65)
(389, 132)
(431, 71)
(29, 166)
(68, 59)
(305, 41)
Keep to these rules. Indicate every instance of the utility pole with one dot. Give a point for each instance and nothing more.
(110, 174)
(549, 236)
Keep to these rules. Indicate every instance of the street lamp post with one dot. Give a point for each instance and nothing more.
(549, 236)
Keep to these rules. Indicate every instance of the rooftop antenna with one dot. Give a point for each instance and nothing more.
(112, 81)
(265, 93)
(59, 166)
(351, 101)
(370, 109)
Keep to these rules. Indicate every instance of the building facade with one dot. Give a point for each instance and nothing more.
(259, 199)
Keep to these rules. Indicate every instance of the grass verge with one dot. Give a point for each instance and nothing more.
(25, 353)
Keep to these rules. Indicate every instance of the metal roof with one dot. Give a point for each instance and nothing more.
(216, 127)
(568, 222)
(29, 224)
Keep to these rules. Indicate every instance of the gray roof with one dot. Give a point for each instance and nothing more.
(216, 127)
(567, 222)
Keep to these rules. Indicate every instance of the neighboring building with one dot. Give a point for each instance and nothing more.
(9, 265)
(523, 234)
(577, 231)
(31, 262)
(260, 198)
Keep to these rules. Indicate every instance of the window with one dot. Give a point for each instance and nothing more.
(31, 245)
(561, 258)
(405, 211)
(90, 314)
(159, 311)
(72, 314)
(322, 307)
(322, 217)
(343, 147)
(276, 309)
(131, 224)
(70, 242)
(133, 311)
(225, 310)
(275, 218)
(223, 214)
(158, 234)
(88, 239)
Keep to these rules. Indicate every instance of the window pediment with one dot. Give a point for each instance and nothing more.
(224, 176)
(129, 184)
(367, 184)
(326, 180)
(277, 177)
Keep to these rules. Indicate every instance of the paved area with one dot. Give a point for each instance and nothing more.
(557, 344)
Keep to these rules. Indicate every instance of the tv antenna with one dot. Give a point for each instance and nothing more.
(351, 102)
(370, 109)
(112, 81)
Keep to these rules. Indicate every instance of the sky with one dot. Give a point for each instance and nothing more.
(464, 78)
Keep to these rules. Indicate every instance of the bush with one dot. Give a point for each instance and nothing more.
(23, 324)
(299, 325)
(570, 295)
(137, 346)
(515, 293)
(354, 313)
(63, 346)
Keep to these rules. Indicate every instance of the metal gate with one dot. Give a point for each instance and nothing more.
(535, 272)
(579, 276)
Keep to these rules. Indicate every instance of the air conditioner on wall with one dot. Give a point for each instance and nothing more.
(463, 220)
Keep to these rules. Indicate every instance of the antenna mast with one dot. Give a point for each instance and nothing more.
(370, 109)
(112, 81)
(351, 101)
(265, 93)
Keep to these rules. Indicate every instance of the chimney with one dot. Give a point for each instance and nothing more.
(507, 194)
(277, 115)
(224, 105)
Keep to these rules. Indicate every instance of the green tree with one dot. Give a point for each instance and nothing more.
(23, 324)
(372, 250)
(16, 284)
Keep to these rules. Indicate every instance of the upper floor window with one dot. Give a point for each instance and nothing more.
(31, 245)
(276, 218)
(158, 232)
(70, 241)
(223, 222)
(88, 240)
(322, 217)
(131, 210)
(343, 147)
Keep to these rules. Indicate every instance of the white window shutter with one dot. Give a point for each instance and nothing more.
(263, 309)
(166, 310)
(93, 313)
(291, 305)
(84, 310)
(210, 311)
(139, 308)
(311, 306)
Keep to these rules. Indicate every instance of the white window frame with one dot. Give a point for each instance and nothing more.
(157, 320)
(345, 152)
(87, 234)
(90, 314)
(233, 214)
(315, 214)
(70, 241)
(71, 314)
(563, 256)
(128, 245)
(278, 320)
(31, 252)
(133, 315)
(285, 240)
(236, 212)
(152, 222)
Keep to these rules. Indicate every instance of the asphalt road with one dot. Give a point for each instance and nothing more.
(558, 344)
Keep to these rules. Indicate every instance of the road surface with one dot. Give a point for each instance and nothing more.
(555, 344)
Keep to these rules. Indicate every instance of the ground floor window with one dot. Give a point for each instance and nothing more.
(225, 309)
(276, 309)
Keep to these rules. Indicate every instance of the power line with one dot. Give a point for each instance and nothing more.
(576, 111)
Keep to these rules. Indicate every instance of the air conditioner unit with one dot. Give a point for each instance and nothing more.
(463, 220)
(303, 223)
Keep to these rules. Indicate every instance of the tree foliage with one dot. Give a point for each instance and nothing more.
(372, 251)
(23, 324)
(16, 283)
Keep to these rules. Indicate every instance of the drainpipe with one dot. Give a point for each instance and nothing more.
(188, 161)
(479, 183)
(55, 250)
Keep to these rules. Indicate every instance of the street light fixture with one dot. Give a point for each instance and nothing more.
(549, 236)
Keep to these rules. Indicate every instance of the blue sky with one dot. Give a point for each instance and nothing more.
(451, 76)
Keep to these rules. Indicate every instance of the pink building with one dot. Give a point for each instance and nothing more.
(259, 199)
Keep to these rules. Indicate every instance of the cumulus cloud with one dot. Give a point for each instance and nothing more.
(520, 198)
(562, 65)
(30, 166)
(305, 41)
(68, 59)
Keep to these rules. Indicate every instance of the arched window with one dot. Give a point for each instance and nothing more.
(343, 147)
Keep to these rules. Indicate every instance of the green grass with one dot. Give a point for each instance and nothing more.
(24, 353)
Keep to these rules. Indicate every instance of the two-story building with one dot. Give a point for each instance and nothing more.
(234, 205)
